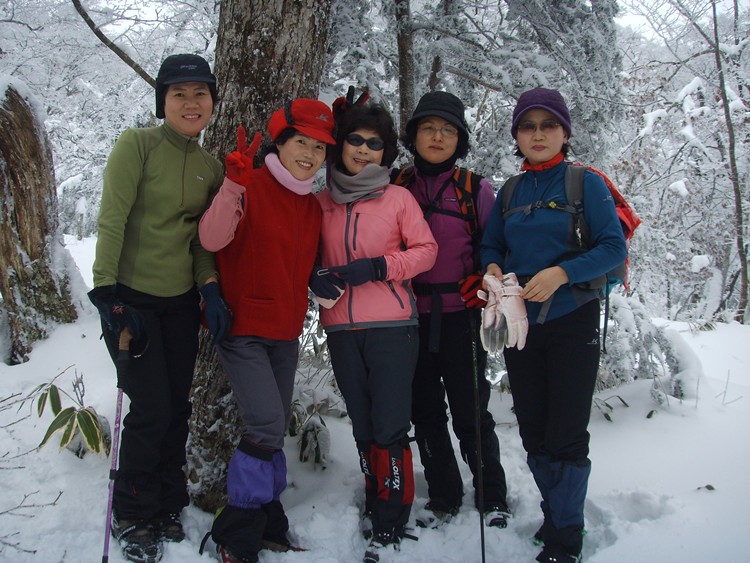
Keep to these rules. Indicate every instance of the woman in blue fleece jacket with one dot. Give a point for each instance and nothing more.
(552, 378)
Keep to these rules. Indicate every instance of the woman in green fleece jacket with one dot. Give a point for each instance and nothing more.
(148, 265)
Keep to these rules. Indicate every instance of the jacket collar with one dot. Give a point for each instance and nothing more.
(435, 180)
(183, 142)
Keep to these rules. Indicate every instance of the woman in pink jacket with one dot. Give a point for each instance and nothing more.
(374, 239)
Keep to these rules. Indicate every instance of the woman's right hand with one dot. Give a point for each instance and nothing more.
(492, 270)
(240, 163)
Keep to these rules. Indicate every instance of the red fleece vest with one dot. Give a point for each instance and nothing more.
(265, 269)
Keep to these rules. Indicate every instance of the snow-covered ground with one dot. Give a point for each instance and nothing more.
(670, 487)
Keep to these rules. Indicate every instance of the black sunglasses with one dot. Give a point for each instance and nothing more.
(373, 143)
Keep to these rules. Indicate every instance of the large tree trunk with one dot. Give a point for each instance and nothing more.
(32, 293)
(268, 52)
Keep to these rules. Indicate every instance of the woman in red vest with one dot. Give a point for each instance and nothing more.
(264, 226)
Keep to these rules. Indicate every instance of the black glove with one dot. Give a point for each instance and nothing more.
(116, 314)
(218, 317)
(324, 284)
(342, 104)
(362, 270)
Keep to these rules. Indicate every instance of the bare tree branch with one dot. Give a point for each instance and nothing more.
(21, 24)
(16, 546)
(15, 510)
(114, 48)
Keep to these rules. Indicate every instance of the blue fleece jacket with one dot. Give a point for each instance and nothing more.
(527, 243)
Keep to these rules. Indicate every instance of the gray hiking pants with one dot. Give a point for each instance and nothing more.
(261, 372)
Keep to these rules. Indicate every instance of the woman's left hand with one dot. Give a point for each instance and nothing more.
(544, 284)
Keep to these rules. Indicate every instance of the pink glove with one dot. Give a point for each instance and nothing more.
(514, 310)
(492, 334)
(504, 320)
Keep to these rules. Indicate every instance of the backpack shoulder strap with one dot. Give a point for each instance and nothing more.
(574, 195)
(402, 176)
(467, 186)
(507, 193)
(574, 184)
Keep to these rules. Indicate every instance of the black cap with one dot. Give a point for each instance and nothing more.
(182, 68)
(440, 104)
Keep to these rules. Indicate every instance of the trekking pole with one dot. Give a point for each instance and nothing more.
(477, 427)
(122, 358)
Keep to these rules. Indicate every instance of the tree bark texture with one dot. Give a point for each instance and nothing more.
(268, 52)
(32, 293)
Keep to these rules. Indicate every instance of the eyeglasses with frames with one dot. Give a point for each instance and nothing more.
(373, 143)
(546, 126)
(430, 130)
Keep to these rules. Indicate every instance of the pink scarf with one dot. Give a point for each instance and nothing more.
(285, 178)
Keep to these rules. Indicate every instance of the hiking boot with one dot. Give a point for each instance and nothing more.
(227, 556)
(557, 555)
(381, 545)
(538, 539)
(432, 516)
(280, 545)
(496, 517)
(137, 540)
(277, 525)
(169, 528)
(237, 533)
(366, 524)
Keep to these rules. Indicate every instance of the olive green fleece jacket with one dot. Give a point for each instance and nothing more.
(157, 184)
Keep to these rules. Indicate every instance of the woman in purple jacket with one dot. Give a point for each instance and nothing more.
(437, 135)
(373, 240)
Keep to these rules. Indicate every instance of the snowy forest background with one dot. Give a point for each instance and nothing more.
(651, 106)
(660, 96)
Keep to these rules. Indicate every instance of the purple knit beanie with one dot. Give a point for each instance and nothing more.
(542, 98)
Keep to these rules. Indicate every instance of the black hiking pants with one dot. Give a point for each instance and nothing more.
(150, 479)
(552, 380)
(450, 373)
(374, 369)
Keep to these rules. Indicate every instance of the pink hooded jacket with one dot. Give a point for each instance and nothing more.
(387, 222)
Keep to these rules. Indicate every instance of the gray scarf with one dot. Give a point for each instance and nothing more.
(346, 189)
